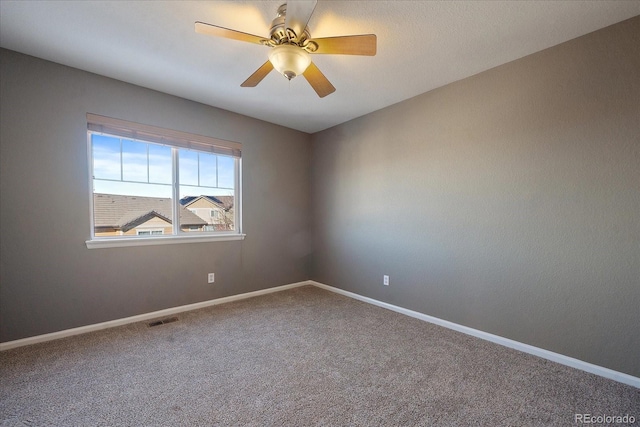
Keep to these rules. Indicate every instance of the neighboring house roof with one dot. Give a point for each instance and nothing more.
(127, 212)
(134, 219)
(224, 202)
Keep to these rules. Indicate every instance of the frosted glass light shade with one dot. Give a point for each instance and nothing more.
(289, 60)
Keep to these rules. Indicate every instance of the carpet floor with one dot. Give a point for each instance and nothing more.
(300, 357)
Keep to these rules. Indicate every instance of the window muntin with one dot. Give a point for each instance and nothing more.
(149, 183)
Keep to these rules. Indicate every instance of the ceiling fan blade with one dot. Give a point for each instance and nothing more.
(318, 81)
(259, 74)
(298, 14)
(214, 30)
(364, 44)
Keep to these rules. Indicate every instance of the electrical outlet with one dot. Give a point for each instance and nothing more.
(211, 278)
(385, 280)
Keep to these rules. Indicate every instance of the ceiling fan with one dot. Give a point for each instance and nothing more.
(291, 43)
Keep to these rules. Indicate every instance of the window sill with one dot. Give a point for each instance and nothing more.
(99, 243)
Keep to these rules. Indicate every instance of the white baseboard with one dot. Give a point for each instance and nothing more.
(526, 348)
(142, 317)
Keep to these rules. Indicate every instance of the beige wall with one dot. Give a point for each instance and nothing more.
(508, 202)
(201, 203)
(203, 207)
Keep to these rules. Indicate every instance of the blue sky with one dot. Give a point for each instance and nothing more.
(145, 169)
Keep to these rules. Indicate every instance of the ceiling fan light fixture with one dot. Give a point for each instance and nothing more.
(291, 43)
(289, 60)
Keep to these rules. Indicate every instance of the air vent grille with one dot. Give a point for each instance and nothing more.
(162, 321)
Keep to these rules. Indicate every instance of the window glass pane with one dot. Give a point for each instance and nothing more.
(106, 157)
(159, 164)
(208, 170)
(188, 167)
(134, 161)
(226, 172)
(207, 205)
(122, 208)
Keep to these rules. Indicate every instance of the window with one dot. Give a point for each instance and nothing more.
(149, 232)
(142, 177)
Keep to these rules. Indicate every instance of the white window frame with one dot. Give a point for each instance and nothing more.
(176, 140)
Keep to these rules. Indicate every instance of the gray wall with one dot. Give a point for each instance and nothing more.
(50, 281)
(508, 202)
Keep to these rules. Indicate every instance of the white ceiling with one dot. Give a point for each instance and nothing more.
(422, 45)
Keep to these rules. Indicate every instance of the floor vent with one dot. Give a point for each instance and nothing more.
(162, 321)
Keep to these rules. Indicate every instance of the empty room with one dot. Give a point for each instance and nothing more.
(293, 213)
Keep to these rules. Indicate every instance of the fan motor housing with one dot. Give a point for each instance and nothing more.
(280, 35)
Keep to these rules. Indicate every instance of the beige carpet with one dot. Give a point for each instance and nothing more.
(295, 358)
